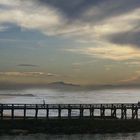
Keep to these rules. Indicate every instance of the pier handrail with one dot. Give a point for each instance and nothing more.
(96, 105)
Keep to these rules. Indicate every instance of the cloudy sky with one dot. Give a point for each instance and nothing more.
(84, 42)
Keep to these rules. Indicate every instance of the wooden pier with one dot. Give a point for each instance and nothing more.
(112, 110)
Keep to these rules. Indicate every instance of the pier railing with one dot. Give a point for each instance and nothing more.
(117, 111)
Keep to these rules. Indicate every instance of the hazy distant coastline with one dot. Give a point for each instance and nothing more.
(65, 86)
(27, 95)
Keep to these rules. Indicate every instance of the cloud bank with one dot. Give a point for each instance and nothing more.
(28, 74)
(113, 25)
(27, 65)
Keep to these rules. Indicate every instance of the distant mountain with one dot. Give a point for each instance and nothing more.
(109, 86)
(72, 87)
(61, 85)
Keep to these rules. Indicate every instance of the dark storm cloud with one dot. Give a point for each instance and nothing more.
(129, 38)
(70, 8)
(105, 8)
(94, 12)
(87, 19)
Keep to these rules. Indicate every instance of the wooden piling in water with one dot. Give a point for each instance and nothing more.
(113, 111)
(12, 111)
(47, 112)
(1, 112)
(81, 111)
(69, 111)
(134, 112)
(24, 112)
(102, 111)
(36, 112)
(59, 112)
(91, 111)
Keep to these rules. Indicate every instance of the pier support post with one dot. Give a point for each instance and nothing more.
(102, 111)
(91, 111)
(1, 111)
(69, 112)
(81, 111)
(134, 112)
(47, 111)
(36, 112)
(59, 111)
(24, 111)
(12, 111)
(123, 112)
(113, 111)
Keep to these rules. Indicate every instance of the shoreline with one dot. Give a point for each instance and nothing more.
(68, 126)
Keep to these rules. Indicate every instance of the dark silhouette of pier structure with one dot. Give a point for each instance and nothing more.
(101, 108)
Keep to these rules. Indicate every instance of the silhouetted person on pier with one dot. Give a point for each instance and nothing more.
(43, 102)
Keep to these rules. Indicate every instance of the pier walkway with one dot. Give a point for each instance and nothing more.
(112, 109)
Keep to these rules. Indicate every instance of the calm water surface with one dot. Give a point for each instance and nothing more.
(54, 96)
(119, 136)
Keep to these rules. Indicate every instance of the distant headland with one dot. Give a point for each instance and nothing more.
(60, 85)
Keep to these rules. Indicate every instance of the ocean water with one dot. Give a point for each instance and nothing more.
(54, 96)
(118, 136)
